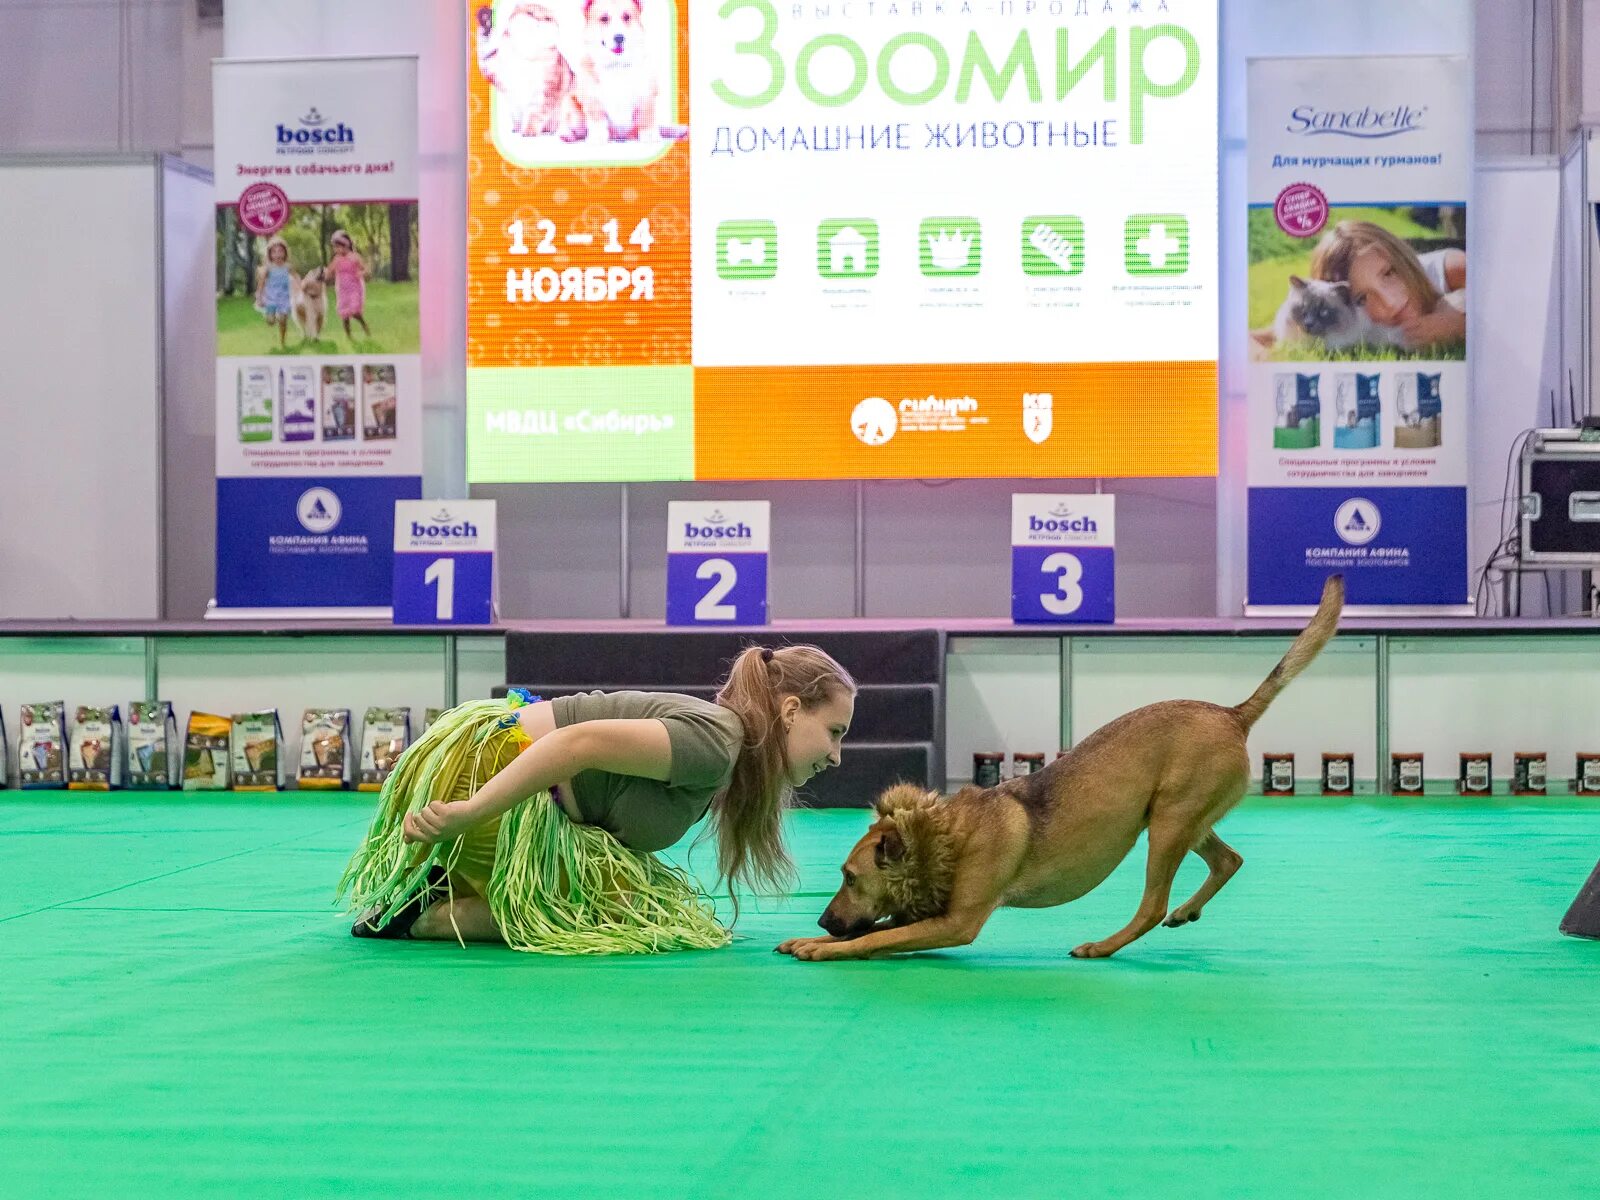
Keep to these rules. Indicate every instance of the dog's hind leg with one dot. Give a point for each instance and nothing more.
(1224, 862)
(1169, 842)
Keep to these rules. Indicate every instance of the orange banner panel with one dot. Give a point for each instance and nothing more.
(1003, 420)
(571, 308)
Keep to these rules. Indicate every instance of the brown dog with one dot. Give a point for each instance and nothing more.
(929, 872)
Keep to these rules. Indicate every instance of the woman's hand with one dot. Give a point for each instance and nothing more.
(440, 821)
(1446, 323)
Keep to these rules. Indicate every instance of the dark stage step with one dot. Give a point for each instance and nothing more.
(898, 731)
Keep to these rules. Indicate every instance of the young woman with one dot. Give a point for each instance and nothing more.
(535, 822)
(1422, 296)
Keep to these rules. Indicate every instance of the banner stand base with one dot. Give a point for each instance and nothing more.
(215, 612)
(1417, 611)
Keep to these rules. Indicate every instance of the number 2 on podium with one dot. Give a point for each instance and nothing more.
(710, 606)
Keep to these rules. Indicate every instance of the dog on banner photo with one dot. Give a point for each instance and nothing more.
(578, 70)
(929, 872)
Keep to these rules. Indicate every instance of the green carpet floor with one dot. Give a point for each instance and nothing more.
(1379, 1005)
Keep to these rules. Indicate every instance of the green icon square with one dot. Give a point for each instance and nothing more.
(1052, 246)
(1156, 244)
(847, 248)
(747, 250)
(950, 246)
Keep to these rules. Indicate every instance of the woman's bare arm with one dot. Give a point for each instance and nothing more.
(635, 747)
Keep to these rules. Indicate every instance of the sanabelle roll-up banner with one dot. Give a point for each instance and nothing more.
(319, 407)
(1360, 172)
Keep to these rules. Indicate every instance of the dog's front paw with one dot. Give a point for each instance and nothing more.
(1094, 950)
(791, 945)
(820, 950)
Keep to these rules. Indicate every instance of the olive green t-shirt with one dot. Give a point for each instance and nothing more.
(646, 814)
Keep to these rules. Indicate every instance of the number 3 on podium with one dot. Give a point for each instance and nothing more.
(1068, 595)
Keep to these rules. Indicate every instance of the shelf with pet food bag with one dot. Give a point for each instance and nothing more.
(1439, 688)
(193, 667)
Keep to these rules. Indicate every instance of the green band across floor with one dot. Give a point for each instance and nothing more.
(1378, 1005)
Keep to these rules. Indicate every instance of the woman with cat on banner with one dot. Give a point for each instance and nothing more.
(1367, 293)
(1422, 296)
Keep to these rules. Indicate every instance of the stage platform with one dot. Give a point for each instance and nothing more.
(795, 630)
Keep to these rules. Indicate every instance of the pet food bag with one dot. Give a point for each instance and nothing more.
(1355, 411)
(1417, 408)
(254, 759)
(205, 753)
(384, 734)
(377, 401)
(325, 749)
(338, 403)
(94, 758)
(42, 746)
(255, 404)
(297, 401)
(1298, 402)
(153, 758)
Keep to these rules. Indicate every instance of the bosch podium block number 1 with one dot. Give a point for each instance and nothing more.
(717, 562)
(1063, 558)
(444, 562)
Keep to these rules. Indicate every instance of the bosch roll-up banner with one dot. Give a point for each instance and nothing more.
(1360, 171)
(319, 407)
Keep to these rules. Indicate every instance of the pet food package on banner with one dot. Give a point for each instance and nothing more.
(1417, 407)
(205, 753)
(325, 749)
(338, 403)
(254, 761)
(1297, 401)
(297, 401)
(1355, 411)
(377, 401)
(429, 716)
(255, 404)
(153, 758)
(94, 758)
(384, 734)
(42, 746)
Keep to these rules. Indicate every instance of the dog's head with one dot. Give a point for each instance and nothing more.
(312, 283)
(901, 869)
(612, 26)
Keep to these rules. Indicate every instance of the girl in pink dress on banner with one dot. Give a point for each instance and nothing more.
(349, 280)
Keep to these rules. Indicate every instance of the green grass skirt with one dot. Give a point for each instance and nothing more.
(553, 886)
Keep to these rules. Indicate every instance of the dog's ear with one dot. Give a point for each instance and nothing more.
(891, 847)
(898, 796)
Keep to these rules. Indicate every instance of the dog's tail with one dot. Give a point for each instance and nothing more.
(1305, 648)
